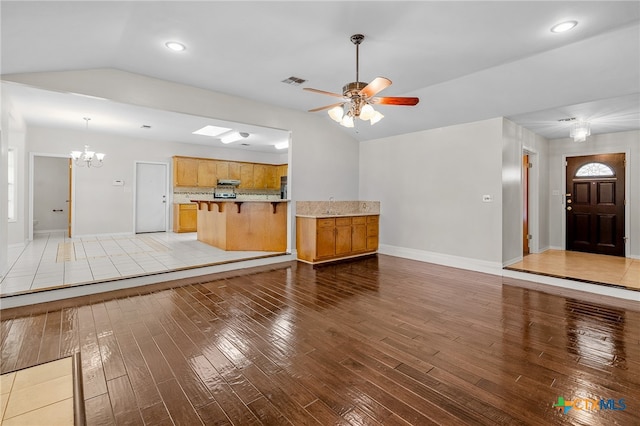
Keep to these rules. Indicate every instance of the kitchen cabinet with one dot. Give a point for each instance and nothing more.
(185, 218)
(185, 171)
(222, 170)
(246, 176)
(234, 170)
(321, 239)
(372, 232)
(207, 173)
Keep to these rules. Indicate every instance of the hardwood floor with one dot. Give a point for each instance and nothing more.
(381, 340)
(587, 267)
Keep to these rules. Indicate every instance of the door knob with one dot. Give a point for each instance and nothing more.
(569, 208)
(569, 201)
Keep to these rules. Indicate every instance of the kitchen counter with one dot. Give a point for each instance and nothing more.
(329, 215)
(251, 225)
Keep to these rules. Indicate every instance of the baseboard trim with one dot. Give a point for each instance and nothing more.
(488, 267)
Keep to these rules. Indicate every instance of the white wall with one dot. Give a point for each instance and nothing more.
(627, 142)
(431, 185)
(323, 160)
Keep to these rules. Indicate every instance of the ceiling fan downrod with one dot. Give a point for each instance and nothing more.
(357, 39)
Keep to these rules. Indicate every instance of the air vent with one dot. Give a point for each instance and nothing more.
(145, 126)
(568, 119)
(245, 144)
(294, 81)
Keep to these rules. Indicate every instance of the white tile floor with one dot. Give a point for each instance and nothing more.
(53, 260)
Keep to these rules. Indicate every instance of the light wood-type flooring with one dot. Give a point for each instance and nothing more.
(593, 268)
(376, 341)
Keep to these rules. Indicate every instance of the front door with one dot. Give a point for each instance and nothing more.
(595, 204)
(151, 197)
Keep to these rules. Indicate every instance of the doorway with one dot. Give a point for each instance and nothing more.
(151, 197)
(525, 204)
(49, 194)
(595, 188)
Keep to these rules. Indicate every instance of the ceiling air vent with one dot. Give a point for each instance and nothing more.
(145, 126)
(568, 119)
(294, 81)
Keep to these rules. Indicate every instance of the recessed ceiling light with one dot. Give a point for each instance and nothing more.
(563, 26)
(175, 46)
(211, 131)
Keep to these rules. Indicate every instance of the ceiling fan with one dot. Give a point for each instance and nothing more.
(358, 97)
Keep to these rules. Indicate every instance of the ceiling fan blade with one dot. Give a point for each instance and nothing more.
(376, 85)
(322, 92)
(326, 107)
(393, 100)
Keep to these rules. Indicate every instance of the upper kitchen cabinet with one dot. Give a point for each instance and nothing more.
(208, 173)
(185, 171)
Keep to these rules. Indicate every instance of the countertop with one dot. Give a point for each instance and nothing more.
(235, 200)
(327, 215)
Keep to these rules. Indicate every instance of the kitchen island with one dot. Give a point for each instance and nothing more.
(259, 225)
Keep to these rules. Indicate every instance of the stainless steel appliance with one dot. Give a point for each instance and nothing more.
(283, 187)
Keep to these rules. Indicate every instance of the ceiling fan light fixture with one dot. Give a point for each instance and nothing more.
(377, 116)
(336, 113)
(347, 121)
(367, 112)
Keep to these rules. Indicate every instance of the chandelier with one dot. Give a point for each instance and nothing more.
(86, 157)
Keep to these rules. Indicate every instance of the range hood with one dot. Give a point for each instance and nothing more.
(228, 182)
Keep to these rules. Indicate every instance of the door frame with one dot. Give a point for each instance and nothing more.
(534, 199)
(563, 201)
(167, 188)
(71, 207)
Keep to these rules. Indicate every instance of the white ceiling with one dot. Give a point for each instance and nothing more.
(466, 61)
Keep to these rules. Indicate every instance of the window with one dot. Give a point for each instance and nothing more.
(11, 169)
(594, 169)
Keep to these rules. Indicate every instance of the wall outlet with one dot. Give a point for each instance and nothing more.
(487, 198)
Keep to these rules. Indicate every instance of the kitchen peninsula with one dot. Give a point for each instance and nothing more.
(256, 225)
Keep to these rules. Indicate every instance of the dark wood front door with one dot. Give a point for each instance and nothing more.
(595, 204)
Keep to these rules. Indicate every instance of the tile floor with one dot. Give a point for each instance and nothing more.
(40, 395)
(53, 260)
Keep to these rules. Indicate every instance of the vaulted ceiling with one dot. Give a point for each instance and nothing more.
(466, 61)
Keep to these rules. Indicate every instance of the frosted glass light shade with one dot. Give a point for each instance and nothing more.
(336, 113)
(367, 112)
(377, 116)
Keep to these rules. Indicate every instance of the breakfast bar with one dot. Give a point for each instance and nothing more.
(259, 225)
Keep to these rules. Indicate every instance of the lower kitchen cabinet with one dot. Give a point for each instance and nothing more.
(320, 239)
(185, 217)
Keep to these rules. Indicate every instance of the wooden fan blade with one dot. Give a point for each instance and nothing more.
(378, 84)
(391, 100)
(322, 92)
(326, 107)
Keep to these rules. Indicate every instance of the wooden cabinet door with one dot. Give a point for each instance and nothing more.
(259, 175)
(372, 232)
(325, 238)
(270, 177)
(185, 171)
(246, 175)
(222, 169)
(358, 233)
(234, 170)
(188, 218)
(207, 174)
(343, 235)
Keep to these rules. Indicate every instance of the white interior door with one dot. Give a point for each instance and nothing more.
(151, 197)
